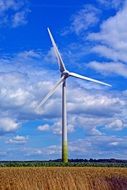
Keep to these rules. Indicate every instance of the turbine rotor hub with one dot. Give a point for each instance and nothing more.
(65, 74)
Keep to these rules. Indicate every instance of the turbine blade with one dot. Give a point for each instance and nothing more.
(51, 92)
(87, 78)
(57, 53)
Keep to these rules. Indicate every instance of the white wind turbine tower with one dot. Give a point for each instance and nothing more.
(64, 75)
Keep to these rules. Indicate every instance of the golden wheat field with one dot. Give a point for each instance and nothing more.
(63, 178)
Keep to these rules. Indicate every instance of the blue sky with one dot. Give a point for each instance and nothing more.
(92, 38)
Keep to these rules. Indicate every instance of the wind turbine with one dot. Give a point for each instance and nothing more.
(64, 75)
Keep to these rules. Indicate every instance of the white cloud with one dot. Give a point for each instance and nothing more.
(109, 68)
(114, 143)
(56, 127)
(19, 18)
(116, 125)
(111, 40)
(93, 104)
(49, 150)
(98, 147)
(45, 127)
(10, 4)
(30, 54)
(17, 140)
(101, 146)
(50, 56)
(8, 125)
(84, 19)
(110, 53)
(111, 3)
(23, 84)
(13, 13)
(95, 132)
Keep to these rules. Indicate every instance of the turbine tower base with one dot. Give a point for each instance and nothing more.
(65, 152)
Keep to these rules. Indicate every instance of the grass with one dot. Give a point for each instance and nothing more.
(63, 178)
(60, 164)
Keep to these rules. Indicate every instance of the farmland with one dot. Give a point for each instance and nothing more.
(63, 178)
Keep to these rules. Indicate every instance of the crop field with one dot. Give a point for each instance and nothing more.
(63, 178)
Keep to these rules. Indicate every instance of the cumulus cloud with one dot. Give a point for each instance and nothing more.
(111, 3)
(45, 127)
(56, 127)
(13, 13)
(50, 56)
(94, 104)
(49, 150)
(19, 19)
(111, 40)
(89, 15)
(116, 125)
(8, 125)
(109, 68)
(101, 146)
(114, 143)
(84, 19)
(17, 140)
(23, 84)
